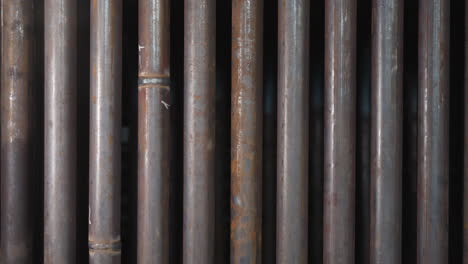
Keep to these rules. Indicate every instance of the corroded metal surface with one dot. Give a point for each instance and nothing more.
(199, 132)
(17, 84)
(154, 132)
(433, 131)
(293, 131)
(340, 131)
(386, 131)
(246, 131)
(105, 124)
(60, 132)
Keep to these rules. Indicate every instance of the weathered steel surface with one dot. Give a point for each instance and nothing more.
(246, 131)
(340, 131)
(433, 131)
(386, 131)
(60, 131)
(293, 131)
(17, 84)
(105, 125)
(199, 132)
(154, 132)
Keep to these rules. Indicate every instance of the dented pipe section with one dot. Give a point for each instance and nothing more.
(105, 124)
(433, 132)
(16, 89)
(293, 131)
(199, 131)
(153, 132)
(386, 131)
(246, 131)
(340, 131)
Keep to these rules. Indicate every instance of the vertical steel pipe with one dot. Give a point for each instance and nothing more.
(60, 131)
(105, 124)
(340, 131)
(199, 132)
(433, 131)
(17, 84)
(386, 131)
(293, 131)
(246, 131)
(153, 132)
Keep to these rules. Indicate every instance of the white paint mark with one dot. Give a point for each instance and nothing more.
(165, 104)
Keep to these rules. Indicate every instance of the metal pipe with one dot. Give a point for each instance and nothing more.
(153, 132)
(105, 124)
(340, 131)
(246, 131)
(433, 131)
(386, 131)
(60, 131)
(199, 132)
(293, 131)
(17, 86)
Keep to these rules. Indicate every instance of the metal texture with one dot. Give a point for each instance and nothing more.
(386, 131)
(154, 132)
(246, 131)
(340, 131)
(199, 132)
(17, 88)
(60, 131)
(433, 132)
(105, 124)
(293, 131)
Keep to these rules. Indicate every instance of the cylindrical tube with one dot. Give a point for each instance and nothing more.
(340, 131)
(16, 90)
(246, 131)
(105, 124)
(386, 131)
(153, 132)
(60, 132)
(293, 131)
(433, 132)
(199, 130)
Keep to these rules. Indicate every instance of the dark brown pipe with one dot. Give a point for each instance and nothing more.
(17, 88)
(199, 132)
(246, 131)
(386, 131)
(433, 132)
(60, 132)
(154, 132)
(340, 131)
(105, 124)
(293, 131)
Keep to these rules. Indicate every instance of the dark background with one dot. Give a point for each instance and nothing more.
(223, 61)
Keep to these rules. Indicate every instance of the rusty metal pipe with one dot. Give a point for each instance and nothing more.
(386, 131)
(246, 131)
(199, 132)
(154, 132)
(105, 124)
(17, 84)
(60, 131)
(433, 131)
(340, 131)
(293, 131)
